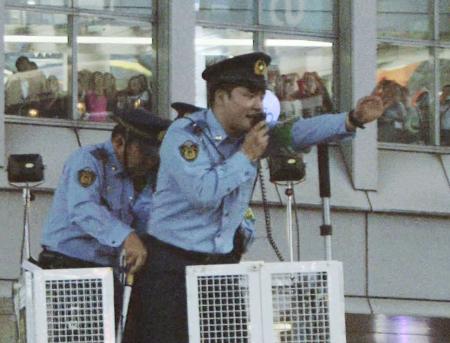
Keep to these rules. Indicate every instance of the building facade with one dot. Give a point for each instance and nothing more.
(67, 64)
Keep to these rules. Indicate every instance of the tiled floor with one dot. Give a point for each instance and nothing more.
(362, 328)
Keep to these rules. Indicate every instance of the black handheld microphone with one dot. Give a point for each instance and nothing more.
(257, 117)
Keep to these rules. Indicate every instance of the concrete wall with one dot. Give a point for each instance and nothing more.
(395, 239)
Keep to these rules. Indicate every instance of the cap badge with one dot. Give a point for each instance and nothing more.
(260, 67)
(86, 177)
(189, 151)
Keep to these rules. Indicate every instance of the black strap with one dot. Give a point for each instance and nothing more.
(355, 121)
(198, 128)
(54, 260)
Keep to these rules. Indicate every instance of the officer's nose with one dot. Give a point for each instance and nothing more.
(258, 103)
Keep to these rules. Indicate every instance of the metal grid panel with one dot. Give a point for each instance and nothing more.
(73, 305)
(75, 310)
(280, 303)
(224, 308)
(300, 307)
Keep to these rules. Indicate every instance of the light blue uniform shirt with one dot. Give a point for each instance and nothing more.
(91, 222)
(199, 203)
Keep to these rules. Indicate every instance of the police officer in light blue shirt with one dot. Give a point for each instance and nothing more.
(200, 211)
(104, 193)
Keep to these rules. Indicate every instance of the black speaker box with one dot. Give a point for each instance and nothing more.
(25, 168)
(286, 167)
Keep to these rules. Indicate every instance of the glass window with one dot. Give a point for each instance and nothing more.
(226, 11)
(300, 74)
(127, 7)
(213, 45)
(36, 64)
(405, 18)
(114, 59)
(309, 16)
(412, 73)
(114, 67)
(58, 3)
(405, 84)
(444, 23)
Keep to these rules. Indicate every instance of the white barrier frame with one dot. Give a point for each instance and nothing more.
(36, 299)
(261, 326)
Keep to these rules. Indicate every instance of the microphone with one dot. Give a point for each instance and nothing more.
(257, 117)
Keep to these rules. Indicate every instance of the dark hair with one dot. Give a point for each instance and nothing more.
(228, 88)
(120, 130)
(133, 138)
(22, 59)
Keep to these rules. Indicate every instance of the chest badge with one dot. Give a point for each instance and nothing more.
(189, 151)
(86, 177)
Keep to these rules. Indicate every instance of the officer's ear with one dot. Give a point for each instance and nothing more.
(118, 142)
(220, 95)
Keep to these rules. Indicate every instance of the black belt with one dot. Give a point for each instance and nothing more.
(54, 260)
(195, 256)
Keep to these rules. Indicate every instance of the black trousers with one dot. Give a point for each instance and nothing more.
(162, 289)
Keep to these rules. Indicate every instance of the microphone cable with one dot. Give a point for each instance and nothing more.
(267, 220)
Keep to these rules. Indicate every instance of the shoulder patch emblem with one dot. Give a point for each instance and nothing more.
(189, 151)
(86, 177)
(249, 215)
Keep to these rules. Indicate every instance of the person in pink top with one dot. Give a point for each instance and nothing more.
(96, 101)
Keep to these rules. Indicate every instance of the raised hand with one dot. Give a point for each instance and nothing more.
(368, 108)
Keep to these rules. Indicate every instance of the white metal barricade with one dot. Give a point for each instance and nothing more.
(67, 305)
(259, 302)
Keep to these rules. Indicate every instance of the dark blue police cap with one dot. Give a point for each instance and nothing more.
(249, 70)
(142, 124)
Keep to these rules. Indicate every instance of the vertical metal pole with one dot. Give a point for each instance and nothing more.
(435, 127)
(327, 222)
(73, 66)
(26, 240)
(2, 84)
(289, 192)
(325, 193)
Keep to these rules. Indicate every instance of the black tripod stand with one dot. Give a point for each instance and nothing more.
(325, 193)
(26, 172)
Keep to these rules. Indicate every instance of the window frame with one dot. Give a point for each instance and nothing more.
(73, 15)
(433, 44)
(258, 30)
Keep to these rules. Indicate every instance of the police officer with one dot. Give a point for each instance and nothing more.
(205, 182)
(101, 196)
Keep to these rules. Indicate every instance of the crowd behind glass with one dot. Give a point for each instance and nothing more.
(407, 117)
(29, 92)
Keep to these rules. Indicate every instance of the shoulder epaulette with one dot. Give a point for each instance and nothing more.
(100, 154)
(195, 126)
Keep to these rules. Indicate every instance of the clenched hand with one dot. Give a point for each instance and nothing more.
(135, 253)
(256, 141)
